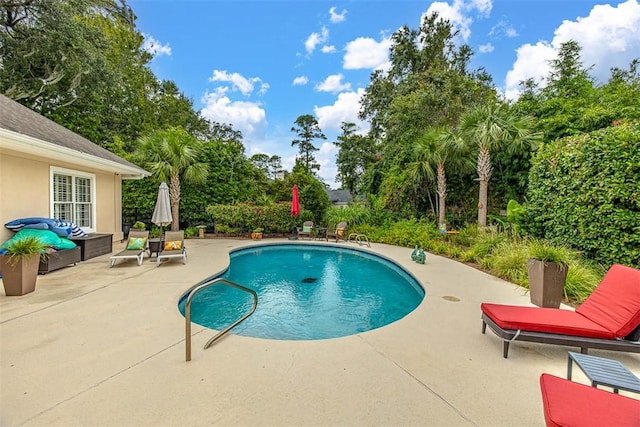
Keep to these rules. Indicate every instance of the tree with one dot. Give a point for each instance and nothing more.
(261, 161)
(355, 153)
(307, 129)
(275, 165)
(173, 155)
(489, 127)
(435, 148)
(429, 85)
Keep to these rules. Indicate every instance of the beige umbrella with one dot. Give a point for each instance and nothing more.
(162, 212)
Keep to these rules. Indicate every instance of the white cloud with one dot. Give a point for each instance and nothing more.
(154, 47)
(609, 37)
(503, 28)
(300, 81)
(337, 17)
(247, 117)
(532, 63)
(239, 82)
(333, 84)
(344, 109)
(486, 48)
(458, 13)
(315, 39)
(328, 49)
(365, 52)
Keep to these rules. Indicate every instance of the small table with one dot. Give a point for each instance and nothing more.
(320, 233)
(155, 246)
(606, 372)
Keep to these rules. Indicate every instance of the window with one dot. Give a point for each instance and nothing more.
(73, 197)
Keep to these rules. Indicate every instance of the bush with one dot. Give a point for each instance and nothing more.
(584, 193)
(245, 217)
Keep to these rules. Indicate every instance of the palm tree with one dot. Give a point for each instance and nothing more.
(436, 147)
(490, 127)
(173, 155)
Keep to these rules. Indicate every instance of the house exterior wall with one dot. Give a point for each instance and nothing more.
(25, 192)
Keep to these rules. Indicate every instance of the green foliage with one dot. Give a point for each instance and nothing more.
(482, 246)
(582, 279)
(246, 217)
(22, 248)
(508, 260)
(354, 215)
(307, 129)
(192, 231)
(139, 225)
(355, 153)
(546, 252)
(584, 192)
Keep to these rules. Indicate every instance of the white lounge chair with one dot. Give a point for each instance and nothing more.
(135, 249)
(173, 246)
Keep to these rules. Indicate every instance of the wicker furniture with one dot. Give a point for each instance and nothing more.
(94, 245)
(59, 259)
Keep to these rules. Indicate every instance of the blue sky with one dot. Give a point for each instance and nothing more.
(260, 64)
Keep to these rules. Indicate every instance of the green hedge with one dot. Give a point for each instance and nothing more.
(584, 191)
(245, 217)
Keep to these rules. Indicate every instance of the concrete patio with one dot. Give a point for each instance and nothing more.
(104, 346)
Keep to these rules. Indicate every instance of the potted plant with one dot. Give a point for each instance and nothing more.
(547, 269)
(256, 234)
(19, 266)
(139, 225)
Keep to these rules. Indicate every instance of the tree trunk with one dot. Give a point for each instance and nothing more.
(442, 192)
(484, 175)
(174, 195)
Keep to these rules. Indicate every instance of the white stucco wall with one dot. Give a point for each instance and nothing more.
(24, 192)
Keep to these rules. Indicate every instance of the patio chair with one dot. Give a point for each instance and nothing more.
(338, 233)
(306, 230)
(136, 246)
(609, 319)
(567, 403)
(173, 247)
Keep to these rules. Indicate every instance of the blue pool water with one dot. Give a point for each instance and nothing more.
(307, 292)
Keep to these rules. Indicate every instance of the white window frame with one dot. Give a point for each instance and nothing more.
(74, 174)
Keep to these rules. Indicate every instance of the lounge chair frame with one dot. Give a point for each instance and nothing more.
(584, 343)
(178, 253)
(307, 234)
(129, 253)
(339, 233)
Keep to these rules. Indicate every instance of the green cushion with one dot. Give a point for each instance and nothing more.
(306, 228)
(136, 243)
(66, 244)
(46, 237)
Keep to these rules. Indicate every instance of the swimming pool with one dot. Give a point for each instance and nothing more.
(307, 292)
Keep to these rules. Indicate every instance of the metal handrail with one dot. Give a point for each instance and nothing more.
(187, 312)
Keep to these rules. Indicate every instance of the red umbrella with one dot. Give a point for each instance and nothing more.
(295, 201)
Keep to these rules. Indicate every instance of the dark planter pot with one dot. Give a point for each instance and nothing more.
(546, 282)
(19, 278)
(125, 231)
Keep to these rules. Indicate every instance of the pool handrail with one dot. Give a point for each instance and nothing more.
(187, 312)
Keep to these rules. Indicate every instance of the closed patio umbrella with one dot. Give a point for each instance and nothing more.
(162, 212)
(295, 207)
(295, 201)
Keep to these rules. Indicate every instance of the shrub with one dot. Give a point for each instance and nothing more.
(584, 192)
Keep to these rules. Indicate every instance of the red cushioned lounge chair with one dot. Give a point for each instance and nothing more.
(572, 404)
(608, 319)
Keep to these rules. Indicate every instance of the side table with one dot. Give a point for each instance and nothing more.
(606, 372)
(155, 246)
